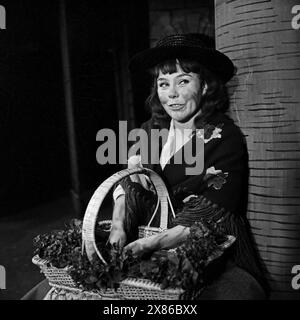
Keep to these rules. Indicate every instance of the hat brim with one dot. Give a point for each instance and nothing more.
(212, 59)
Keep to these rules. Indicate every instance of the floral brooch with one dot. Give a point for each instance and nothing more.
(210, 132)
(215, 178)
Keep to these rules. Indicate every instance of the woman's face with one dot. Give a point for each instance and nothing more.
(179, 93)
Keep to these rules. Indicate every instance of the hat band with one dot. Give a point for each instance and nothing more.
(181, 42)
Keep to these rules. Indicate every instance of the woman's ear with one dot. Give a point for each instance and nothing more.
(204, 89)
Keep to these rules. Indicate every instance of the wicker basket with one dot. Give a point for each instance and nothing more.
(131, 288)
(61, 282)
(63, 286)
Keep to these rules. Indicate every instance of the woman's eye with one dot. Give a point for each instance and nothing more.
(184, 82)
(163, 84)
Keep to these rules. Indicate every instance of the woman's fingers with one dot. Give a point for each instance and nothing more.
(137, 247)
(117, 236)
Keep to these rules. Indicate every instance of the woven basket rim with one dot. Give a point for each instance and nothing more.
(43, 263)
(149, 285)
(136, 282)
(93, 292)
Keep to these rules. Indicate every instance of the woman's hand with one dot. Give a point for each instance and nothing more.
(117, 236)
(167, 239)
(141, 246)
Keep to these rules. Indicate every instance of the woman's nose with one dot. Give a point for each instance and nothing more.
(172, 92)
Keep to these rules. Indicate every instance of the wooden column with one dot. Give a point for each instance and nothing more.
(258, 36)
(67, 80)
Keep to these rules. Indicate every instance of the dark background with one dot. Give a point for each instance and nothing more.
(35, 169)
(35, 163)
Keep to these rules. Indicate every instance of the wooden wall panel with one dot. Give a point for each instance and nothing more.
(258, 36)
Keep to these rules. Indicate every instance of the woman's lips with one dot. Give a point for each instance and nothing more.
(176, 106)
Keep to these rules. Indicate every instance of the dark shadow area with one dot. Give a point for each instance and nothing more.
(35, 167)
(16, 238)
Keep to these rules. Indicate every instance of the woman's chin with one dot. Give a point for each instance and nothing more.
(177, 115)
(180, 117)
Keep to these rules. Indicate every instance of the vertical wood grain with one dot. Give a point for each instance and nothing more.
(258, 36)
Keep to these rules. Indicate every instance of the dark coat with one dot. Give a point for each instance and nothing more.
(228, 153)
(213, 196)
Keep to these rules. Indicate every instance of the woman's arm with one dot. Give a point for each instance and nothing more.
(167, 239)
(117, 233)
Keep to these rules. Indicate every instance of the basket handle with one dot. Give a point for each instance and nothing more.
(90, 216)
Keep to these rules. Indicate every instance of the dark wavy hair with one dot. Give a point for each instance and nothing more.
(216, 97)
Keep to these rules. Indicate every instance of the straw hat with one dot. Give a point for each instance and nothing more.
(192, 46)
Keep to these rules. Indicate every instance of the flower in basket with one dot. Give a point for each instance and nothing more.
(60, 246)
(183, 267)
(186, 266)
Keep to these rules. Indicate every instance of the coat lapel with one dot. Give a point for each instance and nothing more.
(176, 172)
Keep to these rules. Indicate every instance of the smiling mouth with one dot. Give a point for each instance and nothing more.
(176, 106)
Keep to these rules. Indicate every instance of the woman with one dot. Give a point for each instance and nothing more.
(189, 93)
